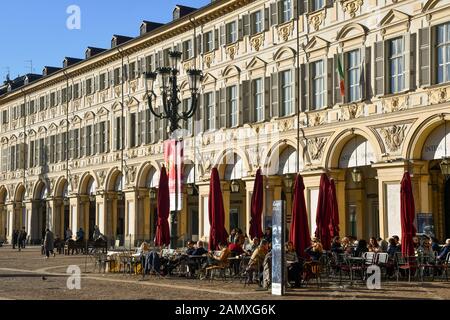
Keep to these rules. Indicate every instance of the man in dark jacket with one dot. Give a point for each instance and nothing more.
(15, 237)
(22, 238)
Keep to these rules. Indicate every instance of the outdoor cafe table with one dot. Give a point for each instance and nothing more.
(357, 262)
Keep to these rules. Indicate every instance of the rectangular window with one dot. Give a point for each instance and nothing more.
(116, 76)
(318, 84)
(63, 152)
(5, 117)
(149, 64)
(64, 95)
(12, 158)
(102, 82)
(118, 144)
(210, 111)
(76, 91)
(132, 130)
(76, 144)
(31, 155)
(102, 139)
(89, 87)
(286, 11)
(232, 32)
(209, 41)
(22, 110)
(42, 103)
(396, 65)
(52, 99)
(31, 107)
(132, 70)
(257, 22)
(187, 50)
(52, 149)
(443, 52)
(286, 93)
(233, 105)
(258, 90)
(88, 141)
(354, 75)
(317, 4)
(4, 159)
(42, 152)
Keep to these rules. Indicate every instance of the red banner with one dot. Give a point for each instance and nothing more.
(173, 156)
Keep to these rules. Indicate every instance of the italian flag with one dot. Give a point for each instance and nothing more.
(340, 70)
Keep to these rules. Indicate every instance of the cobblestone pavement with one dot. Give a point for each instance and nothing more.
(21, 277)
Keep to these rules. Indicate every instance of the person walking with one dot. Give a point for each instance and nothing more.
(21, 238)
(15, 236)
(68, 234)
(49, 243)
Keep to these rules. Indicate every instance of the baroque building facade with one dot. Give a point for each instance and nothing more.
(79, 146)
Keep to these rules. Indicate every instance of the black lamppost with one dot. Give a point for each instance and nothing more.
(167, 80)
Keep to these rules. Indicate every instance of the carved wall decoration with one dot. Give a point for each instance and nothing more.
(285, 30)
(131, 174)
(316, 19)
(117, 91)
(439, 95)
(74, 182)
(232, 50)
(393, 136)
(133, 86)
(89, 100)
(101, 177)
(395, 104)
(257, 41)
(351, 6)
(316, 119)
(11, 189)
(188, 65)
(209, 59)
(315, 147)
(352, 111)
(29, 189)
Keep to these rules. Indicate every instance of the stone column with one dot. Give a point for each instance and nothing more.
(10, 220)
(249, 185)
(100, 215)
(203, 211)
(183, 215)
(28, 226)
(54, 215)
(3, 225)
(226, 196)
(74, 215)
(311, 179)
(131, 218)
(389, 179)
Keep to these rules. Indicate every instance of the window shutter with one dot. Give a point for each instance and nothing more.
(305, 85)
(107, 137)
(267, 98)
(365, 73)
(379, 68)
(410, 61)
(240, 29)
(97, 138)
(424, 57)
(337, 88)
(199, 45)
(216, 109)
(246, 23)
(157, 60)
(223, 108)
(274, 94)
(296, 86)
(329, 82)
(216, 39)
(303, 6)
(246, 103)
(222, 35)
(295, 8)
(82, 144)
(266, 19)
(274, 14)
(200, 115)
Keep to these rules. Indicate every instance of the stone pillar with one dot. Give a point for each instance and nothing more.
(74, 215)
(10, 220)
(28, 225)
(3, 224)
(338, 175)
(311, 179)
(54, 216)
(131, 219)
(203, 211)
(183, 215)
(249, 185)
(389, 179)
(100, 215)
(226, 196)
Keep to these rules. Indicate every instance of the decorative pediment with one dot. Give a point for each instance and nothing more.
(316, 46)
(89, 115)
(53, 127)
(13, 138)
(184, 86)
(21, 135)
(102, 111)
(4, 140)
(352, 33)
(64, 123)
(230, 71)
(76, 119)
(132, 101)
(31, 132)
(284, 53)
(116, 107)
(209, 78)
(395, 22)
(42, 129)
(256, 63)
(431, 4)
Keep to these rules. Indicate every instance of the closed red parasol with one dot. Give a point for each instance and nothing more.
(216, 212)
(257, 207)
(299, 233)
(162, 237)
(333, 206)
(323, 216)
(407, 213)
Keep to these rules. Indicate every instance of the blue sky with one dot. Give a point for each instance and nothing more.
(36, 30)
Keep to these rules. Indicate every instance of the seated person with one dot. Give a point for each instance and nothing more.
(445, 250)
(190, 248)
(255, 265)
(373, 245)
(255, 245)
(336, 245)
(293, 264)
(236, 250)
(267, 271)
(196, 263)
(151, 262)
(143, 249)
(315, 250)
(392, 248)
(221, 259)
(200, 250)
(361, 248)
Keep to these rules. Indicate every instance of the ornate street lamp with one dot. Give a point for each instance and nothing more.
(288, 181)
(235, 186)
(152, 193)
(445, 163)
(167, 80)
(191, 189)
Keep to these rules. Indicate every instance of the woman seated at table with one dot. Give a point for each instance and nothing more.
(151, 262)
(315, 250)
(336, 246)
(373, 245)
(360, 248)
(236, 250)
(221, 259)
(293, 265)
